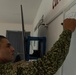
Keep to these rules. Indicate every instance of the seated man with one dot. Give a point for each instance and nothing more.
(47, 65)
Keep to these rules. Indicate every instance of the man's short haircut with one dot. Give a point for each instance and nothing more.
(1, 37)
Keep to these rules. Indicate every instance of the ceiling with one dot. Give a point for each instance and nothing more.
(10, 10)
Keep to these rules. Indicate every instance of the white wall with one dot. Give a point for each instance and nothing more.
(44, 8)
(14, 27)
(55, 28)
(58, 9)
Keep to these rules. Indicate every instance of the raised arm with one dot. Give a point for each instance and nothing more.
(52, 61)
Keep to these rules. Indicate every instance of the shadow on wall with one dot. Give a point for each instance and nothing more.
(42, 31)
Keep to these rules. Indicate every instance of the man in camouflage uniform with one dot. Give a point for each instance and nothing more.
(47, 65)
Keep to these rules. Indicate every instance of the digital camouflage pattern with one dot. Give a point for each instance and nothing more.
(47, 65)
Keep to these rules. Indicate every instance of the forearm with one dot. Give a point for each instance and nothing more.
(52, 61)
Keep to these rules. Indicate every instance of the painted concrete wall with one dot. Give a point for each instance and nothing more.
(55, 28)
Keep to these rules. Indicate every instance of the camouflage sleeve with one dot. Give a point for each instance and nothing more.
(47, 65)
(52, 61)
(7, 69)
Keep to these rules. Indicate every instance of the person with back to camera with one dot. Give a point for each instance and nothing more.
(47, 65)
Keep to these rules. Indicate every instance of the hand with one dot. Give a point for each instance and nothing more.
(69, 24)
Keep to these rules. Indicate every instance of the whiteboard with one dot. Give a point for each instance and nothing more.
(69, 66)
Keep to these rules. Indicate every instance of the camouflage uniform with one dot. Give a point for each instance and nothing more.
(47, 65)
